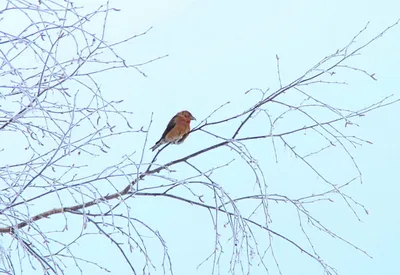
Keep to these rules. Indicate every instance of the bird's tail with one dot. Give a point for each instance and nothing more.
(158, 144)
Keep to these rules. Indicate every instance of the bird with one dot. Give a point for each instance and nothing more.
(177, 129)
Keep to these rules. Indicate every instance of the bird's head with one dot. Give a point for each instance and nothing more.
(187, 115)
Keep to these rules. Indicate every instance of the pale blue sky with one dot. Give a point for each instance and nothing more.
(217, 51)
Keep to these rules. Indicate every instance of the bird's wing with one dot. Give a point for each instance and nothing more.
(170, 126)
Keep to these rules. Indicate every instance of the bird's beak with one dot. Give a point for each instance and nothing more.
(193, 118)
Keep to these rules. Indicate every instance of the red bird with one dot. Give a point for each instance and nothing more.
(177, 129)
